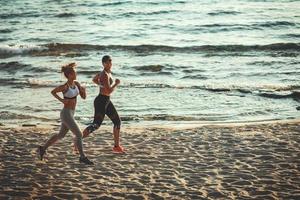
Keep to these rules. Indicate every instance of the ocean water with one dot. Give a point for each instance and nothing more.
(179, 61)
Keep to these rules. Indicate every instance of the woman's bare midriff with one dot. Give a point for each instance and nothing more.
(103, 92)
(70, 103)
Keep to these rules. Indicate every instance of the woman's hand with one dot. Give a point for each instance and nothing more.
(82, 92)
(118, 81)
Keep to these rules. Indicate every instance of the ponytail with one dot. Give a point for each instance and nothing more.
(68, 68)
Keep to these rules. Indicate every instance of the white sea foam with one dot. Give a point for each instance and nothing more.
(7, 50)
(40, 83)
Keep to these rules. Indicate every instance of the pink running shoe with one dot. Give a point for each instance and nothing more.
(118, 149)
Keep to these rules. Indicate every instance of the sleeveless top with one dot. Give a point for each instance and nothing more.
(110, 80)
(71, 93)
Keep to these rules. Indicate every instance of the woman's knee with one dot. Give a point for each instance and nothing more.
(94, 126)
(78, 138)
(98, 119)
(76, 131)
(117, 123)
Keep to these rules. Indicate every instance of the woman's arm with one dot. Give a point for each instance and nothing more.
(107, 86)
(82, 91)
(58, 89)
(96, 79)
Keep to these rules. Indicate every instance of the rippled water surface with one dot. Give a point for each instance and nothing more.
(179, 61)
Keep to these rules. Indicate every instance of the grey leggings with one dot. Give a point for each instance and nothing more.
(68, 123)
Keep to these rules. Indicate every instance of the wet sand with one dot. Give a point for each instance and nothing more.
(229, 161)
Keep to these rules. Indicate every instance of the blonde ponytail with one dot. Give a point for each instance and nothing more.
(66, 69)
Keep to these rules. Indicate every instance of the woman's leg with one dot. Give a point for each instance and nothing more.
(62, 133)
(73, 126)
(100, 104)
(112, 113)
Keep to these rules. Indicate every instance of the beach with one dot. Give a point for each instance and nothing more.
(220, 161)
(208, 98)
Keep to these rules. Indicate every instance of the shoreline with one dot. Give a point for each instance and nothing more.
(217, 124)
(168, 125)
(231, 161)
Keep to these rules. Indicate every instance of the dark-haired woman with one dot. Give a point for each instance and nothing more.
(103, 105)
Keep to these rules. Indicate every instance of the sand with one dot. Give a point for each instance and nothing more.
(228, 161)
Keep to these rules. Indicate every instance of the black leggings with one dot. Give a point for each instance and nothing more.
(103, 106)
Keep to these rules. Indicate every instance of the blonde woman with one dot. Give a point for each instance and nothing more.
(70, 90)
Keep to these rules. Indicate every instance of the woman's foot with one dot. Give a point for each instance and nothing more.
(41, 151)
(118, 149)
(85, 160)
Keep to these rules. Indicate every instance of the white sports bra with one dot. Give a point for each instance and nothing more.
(71, 92)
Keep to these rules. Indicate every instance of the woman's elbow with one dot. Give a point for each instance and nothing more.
(83, 95)
(95, 80)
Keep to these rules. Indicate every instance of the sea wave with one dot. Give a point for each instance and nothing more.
(116, 3)
(269, 91)
(197, 77)
(6, 30)
(18, 15)
(12, 50)
(64, 15)
(223, 12)
(55, 49)
(222, 27)
(151, 68)
(275, 24)
(15, 66)
(165, 69)
(281, 95)
(164, 48)
(134, 14)
(292, 35)
(166, 117)
(263, 74)
(163, 2)
(31, 82)
(28, 82)
(148, 85)
(6, 115)
(266, 63)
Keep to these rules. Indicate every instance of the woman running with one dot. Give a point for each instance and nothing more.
(70, 91)
(103, 105)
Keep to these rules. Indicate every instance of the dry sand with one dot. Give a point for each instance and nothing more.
(234, 161)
